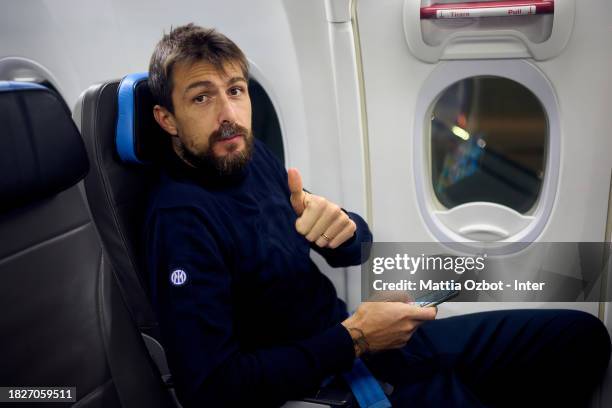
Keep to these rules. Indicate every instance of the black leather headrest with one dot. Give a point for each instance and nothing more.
(41, 151)
(139, 138)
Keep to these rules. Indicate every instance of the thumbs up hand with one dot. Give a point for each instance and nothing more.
(319, 220)
(298, 195)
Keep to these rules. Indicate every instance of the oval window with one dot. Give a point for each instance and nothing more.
(488, 144)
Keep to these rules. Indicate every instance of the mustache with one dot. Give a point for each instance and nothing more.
(227, 130)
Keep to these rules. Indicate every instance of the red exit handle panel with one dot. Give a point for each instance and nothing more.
(487, 9)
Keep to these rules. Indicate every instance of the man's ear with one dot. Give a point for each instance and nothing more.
(165, 119)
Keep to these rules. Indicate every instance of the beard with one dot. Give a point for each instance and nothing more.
(232, 163)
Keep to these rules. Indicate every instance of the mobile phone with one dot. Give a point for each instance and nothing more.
(435, 298)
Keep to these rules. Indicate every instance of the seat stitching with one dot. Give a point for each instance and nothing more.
(38, 245)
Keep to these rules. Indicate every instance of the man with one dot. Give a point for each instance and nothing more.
(247, 319)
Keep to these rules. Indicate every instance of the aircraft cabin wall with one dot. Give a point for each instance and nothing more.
(408, 67)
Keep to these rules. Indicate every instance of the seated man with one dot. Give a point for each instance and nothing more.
(247, 318)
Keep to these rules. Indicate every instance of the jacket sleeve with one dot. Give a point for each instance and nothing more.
(209, 366)
(351, 252)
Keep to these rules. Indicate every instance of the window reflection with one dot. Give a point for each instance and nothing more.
(488, 141)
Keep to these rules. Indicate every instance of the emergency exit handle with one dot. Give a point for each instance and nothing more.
(487, 9)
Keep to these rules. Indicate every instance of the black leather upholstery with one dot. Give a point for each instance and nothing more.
(41, 157)
(266, 126)
(117, 194)
(64, 322)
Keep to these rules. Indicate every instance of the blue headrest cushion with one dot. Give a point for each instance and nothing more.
(41, 150)
(138, 137)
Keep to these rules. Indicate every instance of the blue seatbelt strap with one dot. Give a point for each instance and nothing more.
(366, 389)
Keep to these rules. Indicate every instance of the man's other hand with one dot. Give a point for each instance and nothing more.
(378, 326)
(319, 220)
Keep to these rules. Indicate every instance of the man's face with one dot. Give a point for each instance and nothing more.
(212, 116)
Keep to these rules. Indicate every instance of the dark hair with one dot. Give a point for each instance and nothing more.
(189, 43)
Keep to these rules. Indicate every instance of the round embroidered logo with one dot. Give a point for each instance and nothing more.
(178, 277)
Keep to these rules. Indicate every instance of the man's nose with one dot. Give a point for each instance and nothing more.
(227, 112)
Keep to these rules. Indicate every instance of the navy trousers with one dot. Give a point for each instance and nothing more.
(518, 358)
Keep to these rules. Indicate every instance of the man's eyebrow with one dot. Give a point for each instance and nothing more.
(236, 79)
(209, 84)
(198, 84)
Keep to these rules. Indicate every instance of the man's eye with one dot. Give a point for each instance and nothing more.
(236, 91)
(200, 99)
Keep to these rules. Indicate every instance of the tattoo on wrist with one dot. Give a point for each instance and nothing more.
(359, 340)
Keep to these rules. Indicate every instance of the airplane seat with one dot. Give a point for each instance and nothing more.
(123, 143)
(64, 322)
(117, 191)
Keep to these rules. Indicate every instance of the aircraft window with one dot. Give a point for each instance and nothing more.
(266, 126)
(488, 144)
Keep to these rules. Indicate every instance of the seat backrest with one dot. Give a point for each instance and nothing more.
(64, 322)
(117, 189)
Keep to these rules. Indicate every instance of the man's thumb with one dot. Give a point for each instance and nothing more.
(296, 188)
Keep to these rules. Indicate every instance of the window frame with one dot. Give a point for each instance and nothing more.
(445, 75)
